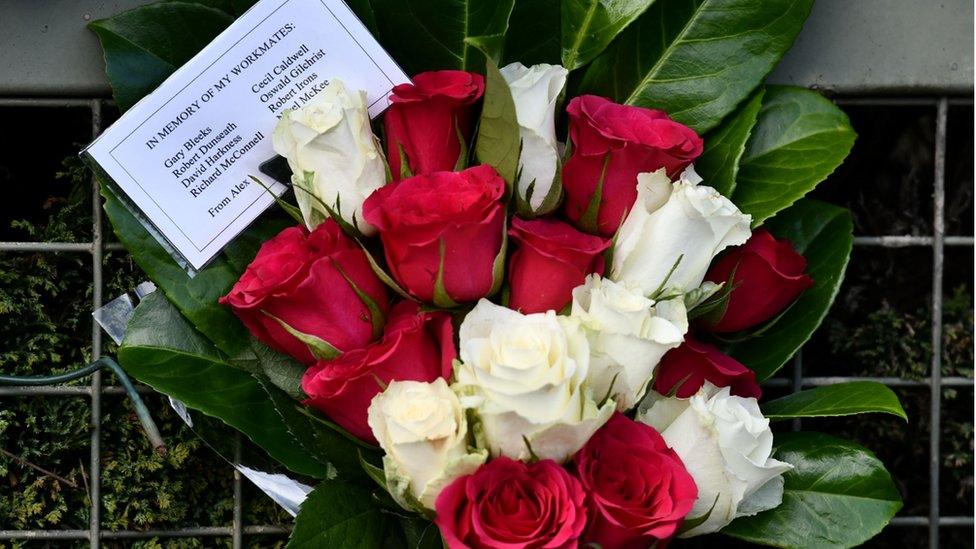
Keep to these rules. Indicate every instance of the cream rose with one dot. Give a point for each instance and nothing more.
(725, 443)
(668, 221)
(535, 91)
(524, 376)
(628, 334)
(424, 432)
(331, 139)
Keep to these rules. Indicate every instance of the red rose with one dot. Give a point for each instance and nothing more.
(768, 277)
(639, 490)
(552, 259)
(695, 363)
(303, 286)
(428, 119)
(510, 504)
(612, 144)
(444, 226)
(416, 346)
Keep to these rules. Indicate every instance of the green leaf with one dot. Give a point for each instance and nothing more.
(195, 297)
(799, 139)
(838, 495)
(283, 371)
(441, 297)
(842, 399)
(533, 33)
(426, 35)
(145, 45)
(822, 233)
(163, 350)
(588, 26)
(719, 163)
(421, 533)
(321, 442)
(498, 138)
(696, 59)
(337, 514)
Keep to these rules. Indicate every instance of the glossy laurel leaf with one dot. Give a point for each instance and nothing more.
(432, 34)
(588, 26)
(338, 514)
(842, 399)
(838, 495)
(145, 45)
(799, 138)
(163, 350)
(696, 59)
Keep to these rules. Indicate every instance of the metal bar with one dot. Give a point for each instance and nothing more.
(904, 241)
(204, 531)
(71, 390)
(46, 102)
(885, 241)
(901, 101)
(797, 382)
(813, 381)
(87, 247)
(237, 541)
(95, 525)
(820, 381)
(924, 521)
(938, 232)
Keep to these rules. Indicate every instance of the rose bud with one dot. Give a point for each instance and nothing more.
(428, 119)
(525, 378)
(725, 443)
(535, 91)
(443, 233)
(694, 363)
(673, 232)
(552, 258)
(768, 276)
(611, 144)
(628, 334)
(639, 490)
(417, 346)
(424, 432)
(507, 503)
(330, 138)
(310, 295)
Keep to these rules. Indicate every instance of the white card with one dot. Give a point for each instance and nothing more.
(183, 155)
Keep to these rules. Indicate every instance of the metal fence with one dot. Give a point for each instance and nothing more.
(937, 241)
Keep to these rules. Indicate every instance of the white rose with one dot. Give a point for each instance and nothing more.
(725, 443)
(524, 376)
(331, 138)
(628, 334)
(424, 432)
(668, 221)
(535, 91)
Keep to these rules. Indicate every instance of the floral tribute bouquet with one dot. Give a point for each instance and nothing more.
(537, 312)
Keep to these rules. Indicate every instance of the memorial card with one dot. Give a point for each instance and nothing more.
(184, 156)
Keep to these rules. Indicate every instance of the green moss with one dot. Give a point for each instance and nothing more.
(45, 327)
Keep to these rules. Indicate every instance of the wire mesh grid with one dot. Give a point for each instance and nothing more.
(938, 242)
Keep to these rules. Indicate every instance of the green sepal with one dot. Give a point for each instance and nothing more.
(291, 210)
(376, 316)
(320, 348)
(441, 297)
(498, 266)
(382, 274)
(589, 220)
(498, 143)
(405, 170)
